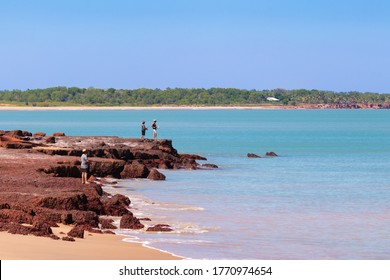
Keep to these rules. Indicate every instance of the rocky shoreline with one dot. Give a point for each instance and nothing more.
(40, 183)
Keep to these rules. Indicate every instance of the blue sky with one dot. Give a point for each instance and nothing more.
(265, 44)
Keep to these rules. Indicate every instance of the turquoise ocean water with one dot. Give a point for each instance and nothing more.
(327, 195)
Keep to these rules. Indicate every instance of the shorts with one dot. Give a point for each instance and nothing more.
(84, 170)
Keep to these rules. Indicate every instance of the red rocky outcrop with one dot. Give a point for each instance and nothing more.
(77, 232)
(41, 228)
(40, 182)
(69, 202)
(155, 175)
(187, 163)
(51, 139)
(134, 170)
(63, 170)
(116, 205)
(9, 142)
(14, 228)
(68, 216)
(15, 216)
(15, 133)
(130, 222)
(107, 223)
(151, 154)
(106, 167)
(37, 229)
(191, 156)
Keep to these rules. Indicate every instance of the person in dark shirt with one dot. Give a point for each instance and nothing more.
(143, 130)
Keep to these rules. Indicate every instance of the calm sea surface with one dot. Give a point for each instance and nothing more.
(327, 195)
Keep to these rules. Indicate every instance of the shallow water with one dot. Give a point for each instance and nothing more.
(325, 197)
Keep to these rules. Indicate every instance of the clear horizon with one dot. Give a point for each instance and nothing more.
(330, 45)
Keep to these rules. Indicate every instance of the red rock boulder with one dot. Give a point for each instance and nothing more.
(251, 155)
(160, 227)
(135, 170)
(130, 222)
(51, 139)
(17, 133)
(116, 205)
(41, 228)
(106, 223)
(106, 167)
(156, 175)
(77, 232)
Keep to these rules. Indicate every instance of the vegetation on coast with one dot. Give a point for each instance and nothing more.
(74, 96)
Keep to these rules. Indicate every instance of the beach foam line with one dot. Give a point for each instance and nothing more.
(146, 244)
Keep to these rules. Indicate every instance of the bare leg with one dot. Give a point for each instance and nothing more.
(84, 178)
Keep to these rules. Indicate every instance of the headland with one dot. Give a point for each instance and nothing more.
(47, 213)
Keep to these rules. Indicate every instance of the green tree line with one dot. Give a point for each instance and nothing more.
(63, 96)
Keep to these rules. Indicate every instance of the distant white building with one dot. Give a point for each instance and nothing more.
(272, 99)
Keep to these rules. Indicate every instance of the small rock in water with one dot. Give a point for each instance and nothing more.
(160, 227)
(250, 155)
(209, 165)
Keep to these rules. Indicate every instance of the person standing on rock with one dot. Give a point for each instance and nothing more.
(155, 127)
(143, 130)
(84, 167)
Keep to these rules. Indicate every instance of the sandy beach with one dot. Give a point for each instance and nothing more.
(92, 247)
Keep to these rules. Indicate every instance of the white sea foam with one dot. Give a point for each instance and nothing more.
(146, 244)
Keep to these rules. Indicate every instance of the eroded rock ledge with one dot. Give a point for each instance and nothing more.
(40, 183)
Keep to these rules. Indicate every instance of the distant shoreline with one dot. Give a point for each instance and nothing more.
(98, 108)
(111, 108)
